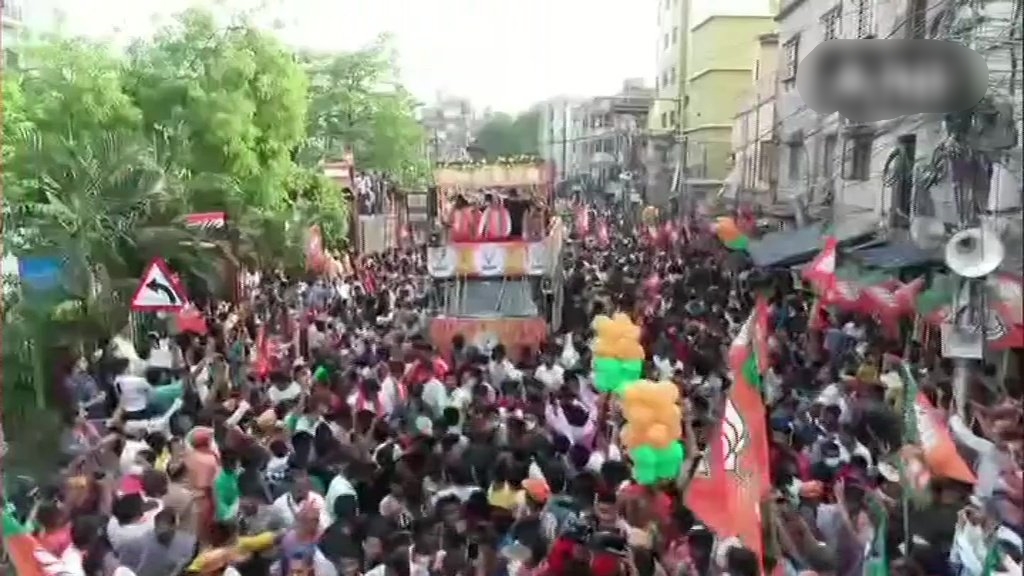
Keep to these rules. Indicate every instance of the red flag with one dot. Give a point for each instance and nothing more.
(603, 237)
(906, 295)
(880, 301)
(191, 320)
(821, 272)
(582, 220)
(314, 249)
(262, 352)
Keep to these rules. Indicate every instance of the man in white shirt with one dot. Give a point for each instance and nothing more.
(133, 393)
(550, 374)
(302, 494)
(282, 390)
(435, 396)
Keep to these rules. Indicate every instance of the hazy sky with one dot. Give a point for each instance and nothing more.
(506, 54)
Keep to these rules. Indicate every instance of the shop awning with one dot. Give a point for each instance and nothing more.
(787, 248)
(894, 255)
(791, 247)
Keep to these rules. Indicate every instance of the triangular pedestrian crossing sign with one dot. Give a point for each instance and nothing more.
(159, 290)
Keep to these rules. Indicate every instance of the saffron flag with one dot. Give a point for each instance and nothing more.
(26, 555)
(731, 484)
(927, 429)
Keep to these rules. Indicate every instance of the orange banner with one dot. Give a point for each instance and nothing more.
(512, 332)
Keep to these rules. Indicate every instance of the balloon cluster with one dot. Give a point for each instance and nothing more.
(652, 431)
(618, 355)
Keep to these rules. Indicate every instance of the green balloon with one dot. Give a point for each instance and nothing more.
(670, 461)
(644, 456)
(321, 374)
(631, 368)
(646, 476)
(607, 374)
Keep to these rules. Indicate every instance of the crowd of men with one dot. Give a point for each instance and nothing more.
(316, 431)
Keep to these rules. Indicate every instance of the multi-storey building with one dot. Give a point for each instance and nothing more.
(705, 51)
(753, 177)
(844, 168)
(558, 134)
(449, 124)
(13, 27)
(609, 132)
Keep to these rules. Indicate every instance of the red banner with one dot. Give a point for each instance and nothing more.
(512, 332)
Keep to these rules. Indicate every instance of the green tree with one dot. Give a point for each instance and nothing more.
(224, 100)
(357, 103)
(504, 135)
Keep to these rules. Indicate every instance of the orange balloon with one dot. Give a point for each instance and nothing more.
(635, 394)
(659, 436)
(727, 230)
(600, 323)
(604, 348)
(639, 416)
(629, 437)
(667, 392)
(621, 318)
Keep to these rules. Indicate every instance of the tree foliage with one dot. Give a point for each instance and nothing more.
(356, 98)
(503, 135)
(104, 152)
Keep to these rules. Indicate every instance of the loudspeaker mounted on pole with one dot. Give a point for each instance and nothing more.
(974, 252)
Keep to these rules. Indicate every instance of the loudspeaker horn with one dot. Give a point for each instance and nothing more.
(974, 252)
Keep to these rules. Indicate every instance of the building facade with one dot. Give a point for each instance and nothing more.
(704, 54)
(449, 124)
(609, 133)
(672, 58)
(558, 135)
(723, 49)
(13, 29)
(827, 162)
(753, 177)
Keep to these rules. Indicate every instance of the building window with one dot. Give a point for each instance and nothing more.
(917, 19)
(664, 119)
(865, 17)
(766, 162)
(664, 40)
(672, 75)
(672, 119)
(858, 157)
(675, 35)
(791, 52)
(828, 155)
(796, 157)
(831, 23)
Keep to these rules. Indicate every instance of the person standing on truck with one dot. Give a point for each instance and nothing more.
(495, 222)
(518, 209)
(463, 220)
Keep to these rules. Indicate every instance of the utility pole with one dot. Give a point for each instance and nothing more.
(565, 141)
(550, 148)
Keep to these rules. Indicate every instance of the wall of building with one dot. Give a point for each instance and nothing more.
(754, 150)
(671, 49)
(449, 125)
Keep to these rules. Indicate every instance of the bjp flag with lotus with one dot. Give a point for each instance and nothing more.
(26, 555)
(733, 479)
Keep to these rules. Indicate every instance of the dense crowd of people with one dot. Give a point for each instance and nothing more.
(315, 430)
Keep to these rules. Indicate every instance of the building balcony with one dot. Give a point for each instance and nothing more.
(12, 13)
